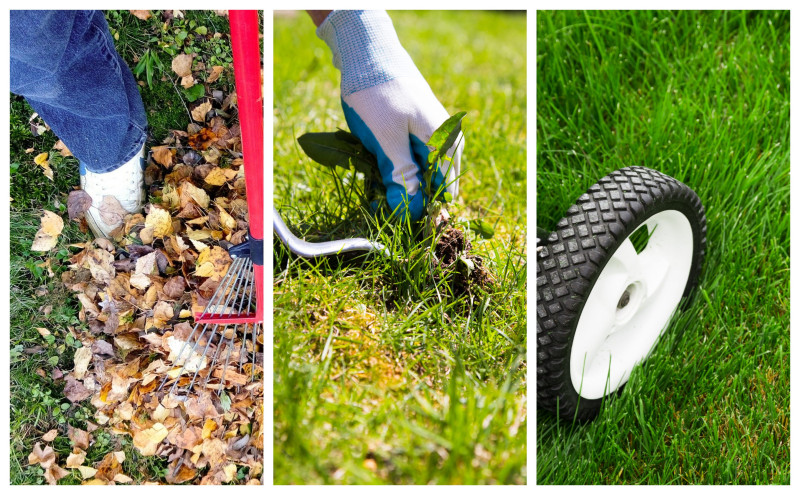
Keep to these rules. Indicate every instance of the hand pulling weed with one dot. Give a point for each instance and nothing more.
(449, 256)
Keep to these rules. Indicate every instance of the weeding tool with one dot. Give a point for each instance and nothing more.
(235, 309)
(313, 249)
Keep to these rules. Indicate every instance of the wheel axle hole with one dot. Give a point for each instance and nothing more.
(626, 297)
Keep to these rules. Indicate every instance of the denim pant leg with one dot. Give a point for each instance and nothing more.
(65, 65)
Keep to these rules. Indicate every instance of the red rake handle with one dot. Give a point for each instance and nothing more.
(247, 69)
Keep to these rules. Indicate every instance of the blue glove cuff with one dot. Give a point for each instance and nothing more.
(365, 48)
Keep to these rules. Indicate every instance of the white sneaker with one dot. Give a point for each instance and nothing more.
(125, 185)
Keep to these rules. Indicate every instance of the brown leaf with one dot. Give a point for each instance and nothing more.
(111, 211)
(80, 438)
(47, 236)
(101, 265)
(75, 460)
(147, 441)
(199, 112)
(46, 457)
(182, 65)
(50, 435)
(62, 148)
(187, 81)
(162, 313)
(141, 14)
(189, 192)
(78, 202)
(216, 71)
(54, 473)
(163, 155)
(75, 391)
(174, 287)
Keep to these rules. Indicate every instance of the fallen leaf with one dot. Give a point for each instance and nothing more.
(111, 211)
(83, 357)
(147, 441)
(185, 357)
(75, 460)
(141, 14)
(47, 236)
(182, 65)
(43, 331)
(219, 176)
(101, 265)
(174, 287)
(46, 457)
(42, 160)
(160, 221)
(55, 473)
(78, 203)
(216, 71)
(189, 192)
(121, 478)
(213, 262)
(50, 435)
(62, 148)
(87, 472)
(75, 391)
(162, 313)
(163, 155)
(199, 112)
(187, 81)
(228, 222)
(80, 438)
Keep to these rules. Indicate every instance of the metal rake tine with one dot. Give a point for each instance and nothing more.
(226, 282)
(232, 338)
(229, 344)
(230, 280)
(235, 290)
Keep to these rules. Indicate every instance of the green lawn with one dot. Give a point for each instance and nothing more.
(38, 298)
(381, 375)
(703, 97)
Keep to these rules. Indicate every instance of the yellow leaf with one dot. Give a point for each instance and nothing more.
(87, 472)
(217, 176)
(199, 112)
(41, 159)
(47, 236)
(147, 441)
(189, 191)
(160, 221)
(213, 262)
(228, 222)
(208, 428)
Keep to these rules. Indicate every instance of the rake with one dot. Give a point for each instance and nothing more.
(234, 312)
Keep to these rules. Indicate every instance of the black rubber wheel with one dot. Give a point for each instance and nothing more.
(628, 253)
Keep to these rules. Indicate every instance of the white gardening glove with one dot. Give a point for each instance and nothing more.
(389, 106)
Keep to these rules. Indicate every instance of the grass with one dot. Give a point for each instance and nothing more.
(39, 299)
(703, 97)
(380, 375)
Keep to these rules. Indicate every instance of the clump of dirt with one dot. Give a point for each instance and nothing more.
(461, 270)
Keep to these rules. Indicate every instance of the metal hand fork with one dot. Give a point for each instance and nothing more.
(314, 249)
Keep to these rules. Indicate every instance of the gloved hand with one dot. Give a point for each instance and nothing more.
(389, 106)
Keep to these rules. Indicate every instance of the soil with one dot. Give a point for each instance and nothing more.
(451, 246)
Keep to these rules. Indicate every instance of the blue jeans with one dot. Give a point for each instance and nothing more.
(65, 65)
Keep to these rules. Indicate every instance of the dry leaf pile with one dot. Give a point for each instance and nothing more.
(138, 294)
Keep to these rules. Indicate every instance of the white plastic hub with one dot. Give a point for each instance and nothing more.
(630, 305)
